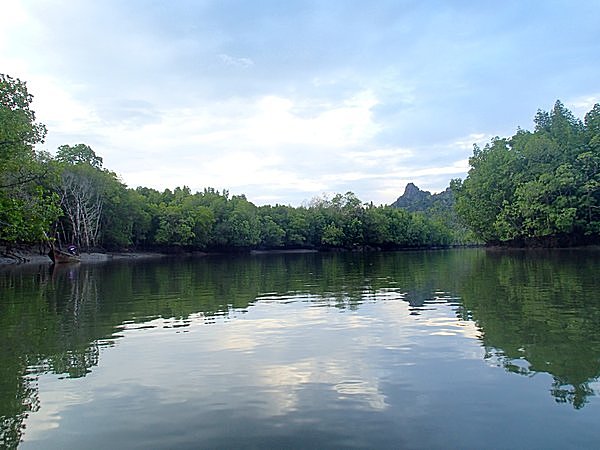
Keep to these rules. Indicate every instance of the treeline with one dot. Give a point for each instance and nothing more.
(73, 198)
(540, 187)
(214, 220)
(536, 188)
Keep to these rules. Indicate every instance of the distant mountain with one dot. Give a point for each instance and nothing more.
(439, 208)
(416, 200)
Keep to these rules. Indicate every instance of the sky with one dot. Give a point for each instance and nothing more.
(284, 101)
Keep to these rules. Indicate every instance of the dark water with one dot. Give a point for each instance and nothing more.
(457, 349)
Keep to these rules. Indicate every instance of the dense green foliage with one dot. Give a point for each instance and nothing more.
(214, 220)
(541, 186)
(537, 187)
(27, 207)
(73, 198)
(439, 209)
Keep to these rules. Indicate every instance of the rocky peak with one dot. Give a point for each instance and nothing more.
(411, 191)
(414, 199)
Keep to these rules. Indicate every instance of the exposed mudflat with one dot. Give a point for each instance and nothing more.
(32, 257)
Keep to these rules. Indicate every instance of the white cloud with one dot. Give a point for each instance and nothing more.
(345, 124)
(236, 62)
(580, 106)
(467, 142)
(13, 17)
(226, 145)
(456, 167)
(72, 117)
(353, 105)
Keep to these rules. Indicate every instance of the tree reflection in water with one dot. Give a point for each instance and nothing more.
(537, 311)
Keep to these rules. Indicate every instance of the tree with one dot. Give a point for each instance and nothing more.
(271, 234)
(78, 154)
(126, 218)
(85, 190)
(540, 186)
(27, 208)
(82, 203)
(333, 236)
(184, 221)
(19, 132)
(241, 229)
(490, 183)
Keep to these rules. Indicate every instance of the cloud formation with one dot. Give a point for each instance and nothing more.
(285, 101)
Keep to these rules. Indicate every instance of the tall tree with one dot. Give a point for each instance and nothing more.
(541, 186)
(489, 185)
(78, 154)
(19, 132)
(26, 207)
(83, 190)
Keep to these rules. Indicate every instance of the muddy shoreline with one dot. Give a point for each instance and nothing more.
(21, 257)
(25, 256)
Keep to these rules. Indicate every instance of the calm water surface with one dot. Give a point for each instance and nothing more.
(453, 349)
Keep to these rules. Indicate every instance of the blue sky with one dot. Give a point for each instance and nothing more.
(284, 101)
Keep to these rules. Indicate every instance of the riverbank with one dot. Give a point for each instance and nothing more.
(33, 256)
(30, 255)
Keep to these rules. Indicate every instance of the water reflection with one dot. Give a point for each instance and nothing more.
(285, 335)
(540, 312)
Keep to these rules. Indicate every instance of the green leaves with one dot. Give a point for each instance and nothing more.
(27, 207)
(536, 185)
(87, 204)
(18, 130)
(78, 154)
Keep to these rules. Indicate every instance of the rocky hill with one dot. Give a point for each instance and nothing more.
(415, 200)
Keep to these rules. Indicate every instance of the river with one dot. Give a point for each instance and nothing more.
(465, 349)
